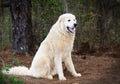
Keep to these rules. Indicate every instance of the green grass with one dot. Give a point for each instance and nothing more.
(13, 63)
(4, 79)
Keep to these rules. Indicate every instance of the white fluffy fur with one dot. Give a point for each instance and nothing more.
(55, 49)
(20, 70)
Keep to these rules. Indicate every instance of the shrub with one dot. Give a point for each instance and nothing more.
(4, 79)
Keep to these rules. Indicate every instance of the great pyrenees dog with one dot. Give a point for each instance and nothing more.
(55, 49)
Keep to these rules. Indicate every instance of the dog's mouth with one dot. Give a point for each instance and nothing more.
(71, 30)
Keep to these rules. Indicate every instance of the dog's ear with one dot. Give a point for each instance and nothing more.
(60, 19)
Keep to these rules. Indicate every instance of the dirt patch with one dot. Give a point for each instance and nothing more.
(98, 68)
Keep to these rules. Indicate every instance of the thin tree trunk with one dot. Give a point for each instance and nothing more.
(65, 6)
(1, 22)
(100, 22)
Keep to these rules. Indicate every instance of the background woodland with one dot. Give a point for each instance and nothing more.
(98, 23)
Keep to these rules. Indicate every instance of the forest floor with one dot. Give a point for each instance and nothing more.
(100, 67)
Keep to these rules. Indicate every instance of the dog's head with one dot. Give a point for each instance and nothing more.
(68, 23)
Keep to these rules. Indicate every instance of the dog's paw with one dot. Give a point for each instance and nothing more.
(62, 78)
(77, 75)
(50, 77)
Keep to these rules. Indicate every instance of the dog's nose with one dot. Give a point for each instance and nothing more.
(75, 25)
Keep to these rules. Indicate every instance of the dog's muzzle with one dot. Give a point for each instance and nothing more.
(72, 30)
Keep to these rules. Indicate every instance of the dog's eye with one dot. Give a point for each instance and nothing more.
(69, 20)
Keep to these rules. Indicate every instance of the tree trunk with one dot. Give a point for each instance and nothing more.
(22, 32)
(100, 21)
(64, 2)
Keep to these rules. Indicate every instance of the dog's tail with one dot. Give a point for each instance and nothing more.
(20, 70)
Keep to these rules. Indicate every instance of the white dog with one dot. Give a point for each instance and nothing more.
(55, 49)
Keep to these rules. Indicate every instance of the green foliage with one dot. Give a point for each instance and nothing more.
(6, 67)
(5, 31)
(45, 13)
(13, 63)
(4, 79)
(88, 31)
(14, 80)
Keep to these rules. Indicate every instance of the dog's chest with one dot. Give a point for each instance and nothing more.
(63, 46)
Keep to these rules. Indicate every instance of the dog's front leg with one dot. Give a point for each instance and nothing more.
(69, 64)
(59, 68)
